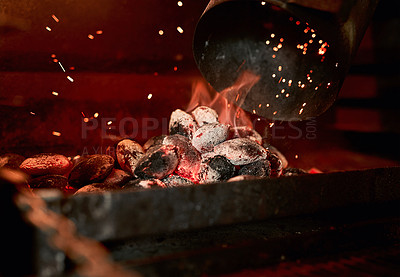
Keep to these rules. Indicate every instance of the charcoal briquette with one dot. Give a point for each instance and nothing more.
(204, 115)
(189, 158)
(243, 178)
(45, 163)
(153, 141)
(216, 169)
(49, 181)
(128, 154)
(157, 163)
(11, 160)
(93, 170)
(210, 135)
(117, 177)
(182, 123)
(241, 151)
(96, 188)
(260, 168)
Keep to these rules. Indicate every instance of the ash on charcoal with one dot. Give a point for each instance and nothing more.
(48, 181)
(11, 160)
(274, 150)
(260, 168)
(189, 158)
(96, 188)
(293, 171)
(216, 169)
(153, 141)
(176, 181)
(117, 177)
(128, 153)
(157, 163)
(210, 135)
(241, 151)
(243, 178)
(245, 132)
(45, 163)
(92, 170)
(276, 165)
(138, 184)
(205, 115)
(182, 123)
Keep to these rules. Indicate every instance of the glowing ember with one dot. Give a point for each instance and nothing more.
(90, 36)
(109, 122)
(48, 28)
(55, 18)
(55, 133)
(180, 3)
(160, 32)
(99, 32)
(179, 29)
(149, 96)
(96, 115)
(55, 93)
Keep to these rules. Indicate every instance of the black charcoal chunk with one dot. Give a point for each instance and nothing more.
(93, 170)
(157, 163)
(241, 151)
(128, 154)
(139, 184)
(293, 171)
(260, 168)
(245, 132)
(176, 181)
(276, 165)
(182, 123)
(189, 158)
(210, 135)
(205, 115)
(216, 169)
(153, 141)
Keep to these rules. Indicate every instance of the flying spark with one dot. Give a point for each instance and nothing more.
(99, 32)
(48, 28)
(149, 96)
(55, 18)
(55, 133)
(179, 29)
(70, 79)
(63, 69)
(160, 32)
(90, 36)
(96, 115)
(180, 3)
(55, 93)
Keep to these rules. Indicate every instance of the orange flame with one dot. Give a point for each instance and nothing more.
(229, 111)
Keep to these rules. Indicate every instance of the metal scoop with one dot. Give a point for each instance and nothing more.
(300, 52)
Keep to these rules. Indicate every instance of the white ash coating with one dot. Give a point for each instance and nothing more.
(241, 151)
(189, 158)
(208, 136)
(182, 123)
(128, 154)
(245, 132)
(138, 184)
(205, 115)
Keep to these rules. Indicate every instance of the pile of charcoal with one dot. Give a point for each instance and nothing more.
(198, 150)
